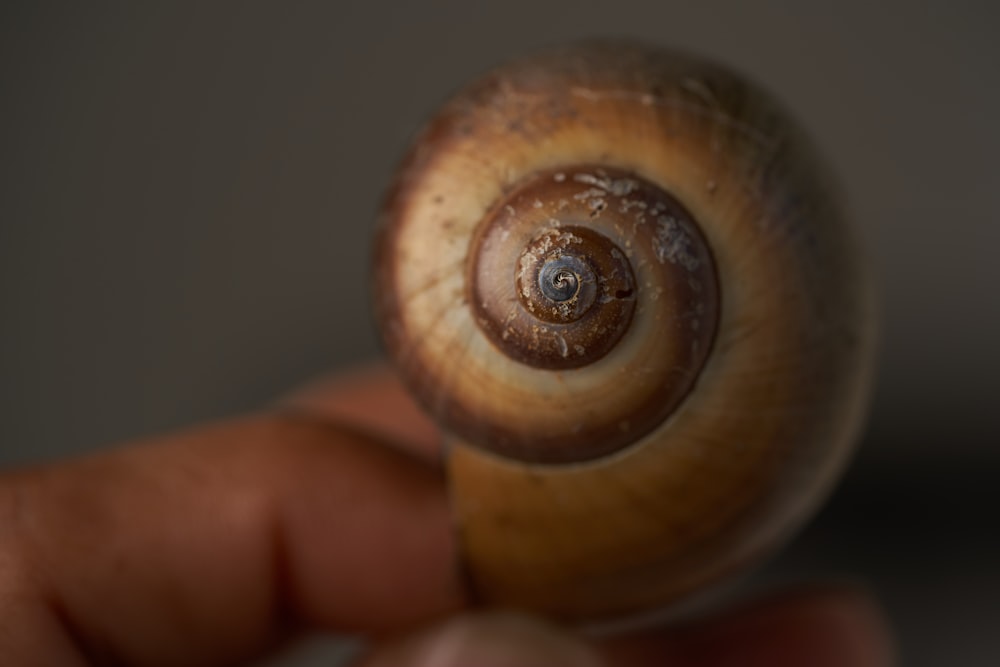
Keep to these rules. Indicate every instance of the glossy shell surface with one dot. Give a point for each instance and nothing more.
(718, 417)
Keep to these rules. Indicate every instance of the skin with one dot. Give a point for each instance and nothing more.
(328, 512)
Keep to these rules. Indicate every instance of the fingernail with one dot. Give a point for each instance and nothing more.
(492, 640)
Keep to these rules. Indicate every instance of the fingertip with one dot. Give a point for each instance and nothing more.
(826, 626)
(835, 625)
(852, 623)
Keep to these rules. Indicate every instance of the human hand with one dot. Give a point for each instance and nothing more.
(217, 545)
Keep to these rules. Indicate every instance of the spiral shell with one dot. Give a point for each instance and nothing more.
(617, 277)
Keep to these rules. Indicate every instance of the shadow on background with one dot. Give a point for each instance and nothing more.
(187, 198)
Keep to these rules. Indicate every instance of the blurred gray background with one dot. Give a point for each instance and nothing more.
(187, 197)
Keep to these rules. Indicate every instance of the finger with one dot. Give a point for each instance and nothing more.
(372, 400)
(207, 546)
(820, 628)
(831, 627)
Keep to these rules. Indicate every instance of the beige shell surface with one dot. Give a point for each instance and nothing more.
(772, 415)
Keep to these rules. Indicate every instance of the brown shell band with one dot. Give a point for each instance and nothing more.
(551, 284)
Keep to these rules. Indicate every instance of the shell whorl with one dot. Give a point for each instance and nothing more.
(572, 272)
(594, 475)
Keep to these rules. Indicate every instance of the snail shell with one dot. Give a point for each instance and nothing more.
(618, 279)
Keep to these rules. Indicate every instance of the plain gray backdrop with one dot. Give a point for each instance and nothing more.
(188, 192)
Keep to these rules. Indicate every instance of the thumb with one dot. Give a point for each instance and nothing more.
(487, 640)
